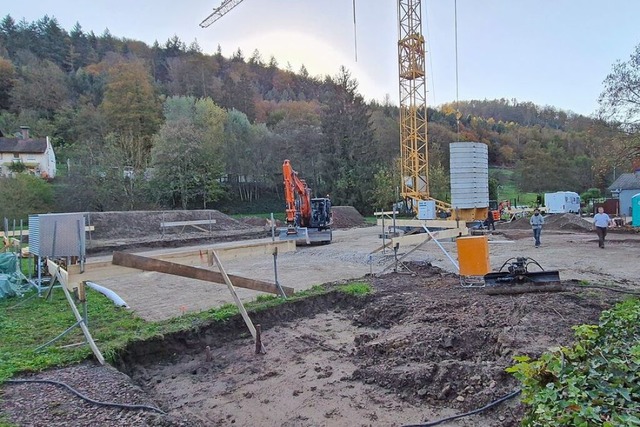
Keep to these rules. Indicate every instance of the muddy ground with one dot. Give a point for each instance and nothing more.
(420, 348)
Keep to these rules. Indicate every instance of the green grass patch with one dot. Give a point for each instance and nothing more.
(4, 423)
(371, 220)
(510, 192)
(26, 323)
(357, 288)
(279, 216)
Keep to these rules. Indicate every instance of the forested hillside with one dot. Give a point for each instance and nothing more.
(168, 126)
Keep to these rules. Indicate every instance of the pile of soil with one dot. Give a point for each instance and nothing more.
(343, 217)
(142, 229)
(347, 217)
(131, 224)
(255, 221)
(566, 222)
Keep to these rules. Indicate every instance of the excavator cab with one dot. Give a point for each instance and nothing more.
(320, 213)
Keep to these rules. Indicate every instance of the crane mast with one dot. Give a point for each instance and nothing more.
(414, 158)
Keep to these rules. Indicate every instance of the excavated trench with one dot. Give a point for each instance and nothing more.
(420, 347)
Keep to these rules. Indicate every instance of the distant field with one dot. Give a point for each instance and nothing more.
(507, 189)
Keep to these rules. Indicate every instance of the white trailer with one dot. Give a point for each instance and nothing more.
(562, 202)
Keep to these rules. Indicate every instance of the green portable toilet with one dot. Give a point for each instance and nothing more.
(635, 210)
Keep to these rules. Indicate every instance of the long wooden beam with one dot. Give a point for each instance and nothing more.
(151, 264)
(430, 223)
(18, 233)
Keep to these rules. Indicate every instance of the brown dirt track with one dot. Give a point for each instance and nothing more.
(420, 348)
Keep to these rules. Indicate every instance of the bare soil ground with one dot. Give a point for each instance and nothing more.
(420, 348)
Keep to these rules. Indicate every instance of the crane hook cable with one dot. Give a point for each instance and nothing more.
(355, 32)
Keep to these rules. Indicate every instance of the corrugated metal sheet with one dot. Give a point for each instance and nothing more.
(34, 234)
(469, 168)
(57, 235)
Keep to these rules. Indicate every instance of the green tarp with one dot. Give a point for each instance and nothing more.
(8, 263)
(10, 277)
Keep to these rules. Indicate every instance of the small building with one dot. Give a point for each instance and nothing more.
(624, 188)
(36, 154)
(562, 202)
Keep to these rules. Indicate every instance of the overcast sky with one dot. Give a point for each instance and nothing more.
(550, 52)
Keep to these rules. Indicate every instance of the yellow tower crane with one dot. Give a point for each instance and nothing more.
(414, 154)
(414, 158)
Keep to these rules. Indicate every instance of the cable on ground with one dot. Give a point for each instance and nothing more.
(475, 411)
(619, 290)
(88, 399)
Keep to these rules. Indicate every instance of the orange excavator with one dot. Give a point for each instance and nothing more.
(308, 219)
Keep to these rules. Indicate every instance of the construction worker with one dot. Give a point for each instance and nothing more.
(601, 221)
(490, 222)
(536, 222)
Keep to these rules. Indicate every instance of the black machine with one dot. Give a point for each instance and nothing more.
(517, 273)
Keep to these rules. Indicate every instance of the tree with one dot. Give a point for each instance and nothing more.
(349, 160)
(620, 103)
(132, 110)
(7, 81)
(186, 155)
(40, 86)
(620, 99)
(24, 195)
(98, 181)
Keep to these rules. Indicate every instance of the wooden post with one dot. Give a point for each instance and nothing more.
(243, 311)
(259, 339)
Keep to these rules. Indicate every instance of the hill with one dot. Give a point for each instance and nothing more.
(114, 105)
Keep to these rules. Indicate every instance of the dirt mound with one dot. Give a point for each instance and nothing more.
(132, 224)
(256, 221)
(567, 222)
(347, 217)
(440, 342)
(343, 217)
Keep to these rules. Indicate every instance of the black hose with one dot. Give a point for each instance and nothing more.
(475, 411)
(88, 399)
(622, 291)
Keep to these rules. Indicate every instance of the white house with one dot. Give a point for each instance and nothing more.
(36, 154)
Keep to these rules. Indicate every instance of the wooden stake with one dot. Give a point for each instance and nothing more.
(259, 339)
(243, 311)
(55, 270)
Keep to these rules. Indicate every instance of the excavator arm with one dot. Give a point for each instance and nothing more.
(298, 209)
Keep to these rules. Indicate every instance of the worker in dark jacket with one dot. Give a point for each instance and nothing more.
(490, 223)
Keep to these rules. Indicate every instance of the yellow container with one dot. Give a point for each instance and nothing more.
(473, 255)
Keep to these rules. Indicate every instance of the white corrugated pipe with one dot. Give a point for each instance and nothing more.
(109, 294)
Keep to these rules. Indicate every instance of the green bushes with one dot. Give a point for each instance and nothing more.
(596, 382)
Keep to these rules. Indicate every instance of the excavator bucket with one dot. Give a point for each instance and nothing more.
(299, 234)
(529, 277)
(306, 236)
